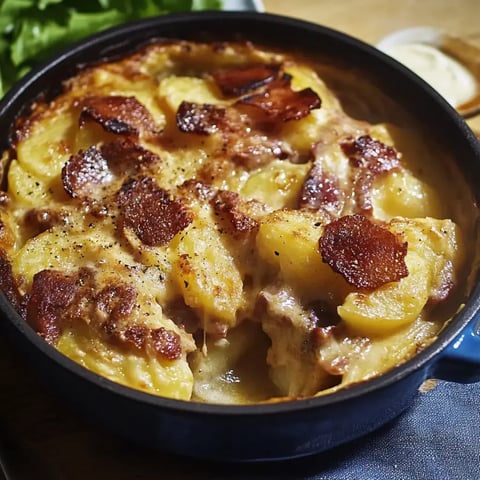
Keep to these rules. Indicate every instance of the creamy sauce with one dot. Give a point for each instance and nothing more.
(449, 77)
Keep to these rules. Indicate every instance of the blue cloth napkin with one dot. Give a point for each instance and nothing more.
(438, 438)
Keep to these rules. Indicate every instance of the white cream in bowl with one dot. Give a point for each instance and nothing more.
(420, 49)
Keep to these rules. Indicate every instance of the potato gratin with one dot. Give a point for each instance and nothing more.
(229, 224)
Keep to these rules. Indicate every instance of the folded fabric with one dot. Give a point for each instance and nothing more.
(438, 438)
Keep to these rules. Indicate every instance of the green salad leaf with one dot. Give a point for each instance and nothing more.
(33, 30)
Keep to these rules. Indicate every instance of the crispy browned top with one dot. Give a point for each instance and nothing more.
(113, 303)
(164, 342)
(126, 157)
(200, 188)
(366, 153)
(58, 300)
(99, 165)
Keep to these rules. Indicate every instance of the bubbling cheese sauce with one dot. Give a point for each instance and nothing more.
(448, 76)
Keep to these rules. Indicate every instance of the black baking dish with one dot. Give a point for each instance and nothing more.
(264, 431)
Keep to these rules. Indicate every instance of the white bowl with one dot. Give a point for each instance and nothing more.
(447, 63)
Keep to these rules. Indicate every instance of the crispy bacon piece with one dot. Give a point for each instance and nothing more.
(114, 302)
(241, 80)
(242, 144)
(225, 205)
(254, 150)
(279, 103)
(41, 219)
(151, 212)
(165, 342)
(84, 169)
(117, 114)
(196, 190)
(57, 299)
(320, 191)
(126, 157)
(366, 153)
(200, 119)
(365, 254)
(97, 165)
(371, 158)
(52, 293)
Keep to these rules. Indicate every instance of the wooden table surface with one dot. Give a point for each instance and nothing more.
(68, 446)
(371, 20)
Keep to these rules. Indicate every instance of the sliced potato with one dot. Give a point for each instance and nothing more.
(402, 194)
(288, 239)
(434, 247)
(206, 275)
(172, 379)
(277, 184)
(390, 306)
(49, 144)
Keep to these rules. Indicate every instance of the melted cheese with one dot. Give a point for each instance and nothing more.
(145, 176)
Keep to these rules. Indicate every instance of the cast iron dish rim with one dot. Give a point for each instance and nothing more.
(425, 358)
